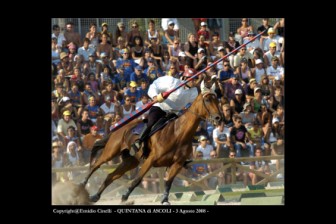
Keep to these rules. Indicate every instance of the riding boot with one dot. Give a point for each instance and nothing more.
(137, 144)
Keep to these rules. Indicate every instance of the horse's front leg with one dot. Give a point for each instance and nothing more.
(174, 170)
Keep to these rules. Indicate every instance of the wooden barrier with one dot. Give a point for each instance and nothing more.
(230, 162)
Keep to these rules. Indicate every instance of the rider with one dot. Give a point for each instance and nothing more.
(173, 104)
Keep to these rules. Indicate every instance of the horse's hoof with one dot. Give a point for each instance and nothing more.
(94, 198)
(124, 198)
(166, 203)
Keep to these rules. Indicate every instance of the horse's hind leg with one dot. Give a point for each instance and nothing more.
(95, 166)
(128, 163)
(144, 169)
(173, 171)
(103, 158)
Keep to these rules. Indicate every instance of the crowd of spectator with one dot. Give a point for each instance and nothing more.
(102, 78)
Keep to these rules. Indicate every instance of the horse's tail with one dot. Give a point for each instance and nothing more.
(97, 146)
(100, 144)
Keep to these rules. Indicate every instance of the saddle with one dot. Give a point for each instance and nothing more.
(162, 122)
(140, 128)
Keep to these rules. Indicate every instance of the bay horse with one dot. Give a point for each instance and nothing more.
(169, 147)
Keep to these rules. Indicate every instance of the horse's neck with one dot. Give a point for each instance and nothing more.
(189, 122)
(190, 119)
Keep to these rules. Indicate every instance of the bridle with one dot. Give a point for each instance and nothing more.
(212, 117)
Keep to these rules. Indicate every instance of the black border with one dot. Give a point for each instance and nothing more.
(43, 180)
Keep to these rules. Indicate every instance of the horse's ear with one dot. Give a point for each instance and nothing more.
(204, 89)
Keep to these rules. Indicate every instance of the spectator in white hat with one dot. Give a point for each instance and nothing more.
(67, 105)
(237, 102)
(197, 22)
(258, 70)
(201, 60)
(203, 31)
(165, 23)
(170, 34)
(204, 147)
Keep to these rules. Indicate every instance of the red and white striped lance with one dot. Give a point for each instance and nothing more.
(165, 95)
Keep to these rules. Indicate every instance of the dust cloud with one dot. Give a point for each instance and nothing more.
(69, 193)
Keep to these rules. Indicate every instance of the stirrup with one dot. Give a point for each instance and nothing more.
(135, 147)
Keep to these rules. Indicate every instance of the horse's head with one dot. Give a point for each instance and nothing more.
(208, 107)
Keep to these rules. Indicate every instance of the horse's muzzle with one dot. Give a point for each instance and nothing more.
(215, 118)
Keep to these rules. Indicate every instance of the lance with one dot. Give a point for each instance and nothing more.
(165, 95)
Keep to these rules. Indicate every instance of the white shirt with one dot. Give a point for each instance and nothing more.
(106, 109)
(177, 99)
(279, 71)
(206, 151)
(259, 73)
(86, 53)
(60, 39)
(269, 56)
(220, 134)
(55, 54)
(255, 44)
(238, 57)
(277, 39)
(139, 104)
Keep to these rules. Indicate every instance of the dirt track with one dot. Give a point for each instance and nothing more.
(69, 193)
